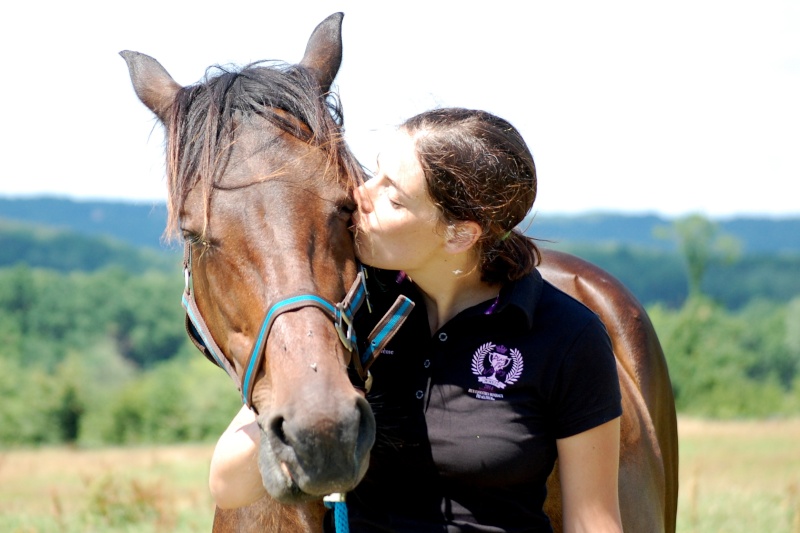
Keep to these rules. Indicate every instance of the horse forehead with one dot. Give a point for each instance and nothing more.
(268, 171)
(291, 199)
(263, 152)
(272, 199)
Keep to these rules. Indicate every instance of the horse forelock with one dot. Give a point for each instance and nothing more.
(201, 129)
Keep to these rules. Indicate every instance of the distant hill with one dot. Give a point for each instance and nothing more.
(139, 224)
(756, 235)
(64, 250)
(67, 235)
(143, 225)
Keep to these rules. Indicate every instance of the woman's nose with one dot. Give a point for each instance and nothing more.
(362, 198)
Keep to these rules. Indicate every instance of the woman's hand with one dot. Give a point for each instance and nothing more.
(234, 478)
(589, 466)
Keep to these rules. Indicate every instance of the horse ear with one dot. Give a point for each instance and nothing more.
(323, 55)
(152, 83)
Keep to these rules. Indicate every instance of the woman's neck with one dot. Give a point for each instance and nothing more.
(448, 292)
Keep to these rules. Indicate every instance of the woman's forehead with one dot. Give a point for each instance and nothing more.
(398, 161)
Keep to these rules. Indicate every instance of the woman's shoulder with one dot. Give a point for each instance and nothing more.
(543, 303)
(560, 306)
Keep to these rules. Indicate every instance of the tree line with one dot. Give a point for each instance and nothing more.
(654, 275)
(101, 356)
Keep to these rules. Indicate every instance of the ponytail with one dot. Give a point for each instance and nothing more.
(512, 257)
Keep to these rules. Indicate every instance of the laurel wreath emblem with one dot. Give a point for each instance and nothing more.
(485, 349)
(480, 356)
(516, 367)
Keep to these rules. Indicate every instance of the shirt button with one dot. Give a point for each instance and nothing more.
(419, 394)
(443, 336)
(427, 363)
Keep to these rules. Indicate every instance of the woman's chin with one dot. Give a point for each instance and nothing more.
(363, 253)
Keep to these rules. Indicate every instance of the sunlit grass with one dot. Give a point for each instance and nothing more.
(106, 490)
(739, 476)
(735, 477)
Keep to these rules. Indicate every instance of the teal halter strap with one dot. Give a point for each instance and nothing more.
(342, 315)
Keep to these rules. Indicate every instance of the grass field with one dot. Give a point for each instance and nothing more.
(107, 490)
(736, 477)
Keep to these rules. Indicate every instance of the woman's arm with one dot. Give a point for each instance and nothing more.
(589, 466)
(234, 478)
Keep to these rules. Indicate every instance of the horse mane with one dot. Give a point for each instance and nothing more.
(202, 130)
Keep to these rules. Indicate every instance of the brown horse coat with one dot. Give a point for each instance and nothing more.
(260, 185)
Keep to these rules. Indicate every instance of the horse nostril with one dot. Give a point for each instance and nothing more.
(276, 427)
(366, 427)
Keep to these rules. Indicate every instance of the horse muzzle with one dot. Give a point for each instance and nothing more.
(310, 453)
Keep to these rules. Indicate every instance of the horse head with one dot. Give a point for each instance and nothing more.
(260, 188)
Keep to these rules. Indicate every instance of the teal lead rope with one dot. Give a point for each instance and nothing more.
(336, 502)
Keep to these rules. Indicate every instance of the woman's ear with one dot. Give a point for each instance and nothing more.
(461, 236)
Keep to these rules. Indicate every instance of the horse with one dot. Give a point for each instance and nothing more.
(260, 188)
(240, 220)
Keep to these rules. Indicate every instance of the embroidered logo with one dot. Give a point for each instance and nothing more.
(504, 368)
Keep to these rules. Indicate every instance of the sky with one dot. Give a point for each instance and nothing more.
(638, 107)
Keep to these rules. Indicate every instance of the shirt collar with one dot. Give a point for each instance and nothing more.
(518, 298)
(521, 297)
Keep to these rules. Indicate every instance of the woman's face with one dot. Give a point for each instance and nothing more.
(397, 224)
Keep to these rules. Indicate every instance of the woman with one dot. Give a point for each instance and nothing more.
(496, 375)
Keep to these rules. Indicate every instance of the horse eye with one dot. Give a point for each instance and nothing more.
(194, 239)
(347, 208)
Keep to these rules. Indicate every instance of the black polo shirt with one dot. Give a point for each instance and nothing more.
(468, 416)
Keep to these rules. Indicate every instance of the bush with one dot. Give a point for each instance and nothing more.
(729, 365)
(27, 406)
(184, 399)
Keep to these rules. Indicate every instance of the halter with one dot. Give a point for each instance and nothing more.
(342, 314)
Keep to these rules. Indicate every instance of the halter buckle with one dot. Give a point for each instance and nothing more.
(344, 319)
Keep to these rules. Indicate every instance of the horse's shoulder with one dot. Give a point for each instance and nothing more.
(626, 320)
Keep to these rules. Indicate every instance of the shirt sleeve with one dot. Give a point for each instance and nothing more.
(586, 392)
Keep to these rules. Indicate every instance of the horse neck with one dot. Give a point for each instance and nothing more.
(268, 516)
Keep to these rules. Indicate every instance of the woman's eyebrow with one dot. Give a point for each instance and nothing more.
(396, 187)
(388, 179)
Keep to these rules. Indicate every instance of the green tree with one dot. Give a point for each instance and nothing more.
(767, 340)
(700, 242)
(70, 388)
(725, 364)
(183, 399)
(18, 295)
(27, 403)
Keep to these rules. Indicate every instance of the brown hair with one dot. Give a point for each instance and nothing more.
(202, 125)
(478, 168)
